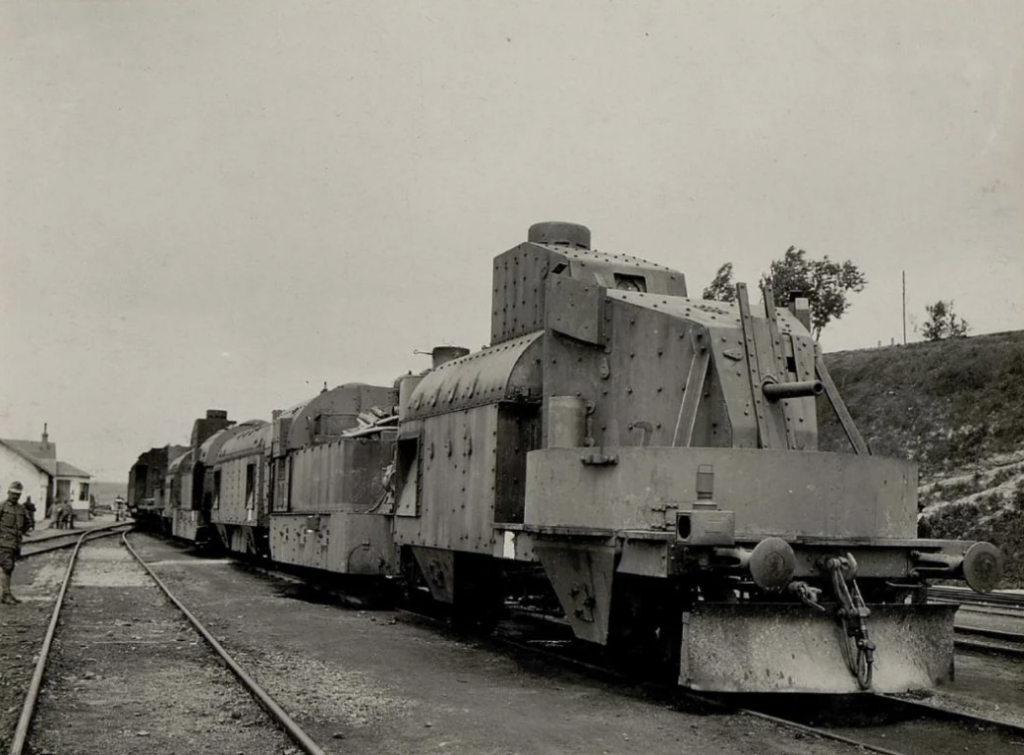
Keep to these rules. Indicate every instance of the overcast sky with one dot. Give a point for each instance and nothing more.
(226, 204)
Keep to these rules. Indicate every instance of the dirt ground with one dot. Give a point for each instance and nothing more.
(375, 681)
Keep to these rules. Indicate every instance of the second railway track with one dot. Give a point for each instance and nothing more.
(122, 669)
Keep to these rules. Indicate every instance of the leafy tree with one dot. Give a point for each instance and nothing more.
(721, 288)
(943, 322)
(825, 284)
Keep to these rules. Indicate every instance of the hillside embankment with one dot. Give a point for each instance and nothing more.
(956, 407)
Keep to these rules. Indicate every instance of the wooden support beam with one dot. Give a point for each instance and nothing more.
(854, 436)
(753, 365)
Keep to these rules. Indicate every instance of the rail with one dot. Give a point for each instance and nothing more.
(297, 734)
(63, 540)
(32, 694)
(969, 597)
(273, 709)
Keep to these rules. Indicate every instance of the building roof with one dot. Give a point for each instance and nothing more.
(43, 455)
(70, 470)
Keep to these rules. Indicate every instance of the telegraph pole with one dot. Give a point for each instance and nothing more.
(904, 307)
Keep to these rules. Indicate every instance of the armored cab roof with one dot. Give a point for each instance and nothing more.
(705, 312)
(179, 463)
(248, 438)
(211, 447)
(332, 413)
(508, 371)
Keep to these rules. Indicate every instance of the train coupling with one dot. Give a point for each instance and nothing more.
(771, 563)
(981, 566)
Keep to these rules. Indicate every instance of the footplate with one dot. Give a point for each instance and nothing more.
(746, 647)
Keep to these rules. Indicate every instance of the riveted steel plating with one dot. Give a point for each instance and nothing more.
(475, 380)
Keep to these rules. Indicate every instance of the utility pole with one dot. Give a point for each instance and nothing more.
(904, 307)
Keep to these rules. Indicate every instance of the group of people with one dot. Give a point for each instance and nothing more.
(63, 516)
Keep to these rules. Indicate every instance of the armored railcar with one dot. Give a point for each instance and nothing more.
(147, 485)
(328, 460)
(186, 512)
(658, 456)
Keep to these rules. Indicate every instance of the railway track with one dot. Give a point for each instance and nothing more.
(893, 725)
(68, 538)
(993, 641)
(126, 664)
(965, 596)
(976, 638)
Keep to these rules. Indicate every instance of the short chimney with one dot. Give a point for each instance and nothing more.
(46, 436)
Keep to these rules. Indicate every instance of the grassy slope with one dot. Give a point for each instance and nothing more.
(957, 408)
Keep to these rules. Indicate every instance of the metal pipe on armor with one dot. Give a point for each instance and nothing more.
(775, 391)
(406, 385)
(566, 419)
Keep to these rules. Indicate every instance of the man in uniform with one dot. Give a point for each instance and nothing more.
(13, 524)
(30, 513)
(62, 514)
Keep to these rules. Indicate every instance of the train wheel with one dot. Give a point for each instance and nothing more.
(479, 594)
(646, 626)
(415, 594)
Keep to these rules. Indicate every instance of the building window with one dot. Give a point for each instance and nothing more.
(83, 491)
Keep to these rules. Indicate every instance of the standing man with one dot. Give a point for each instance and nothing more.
(13, 524)
(63, 509)
(30, 513)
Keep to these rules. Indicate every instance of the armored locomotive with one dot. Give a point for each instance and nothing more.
(655, 455)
